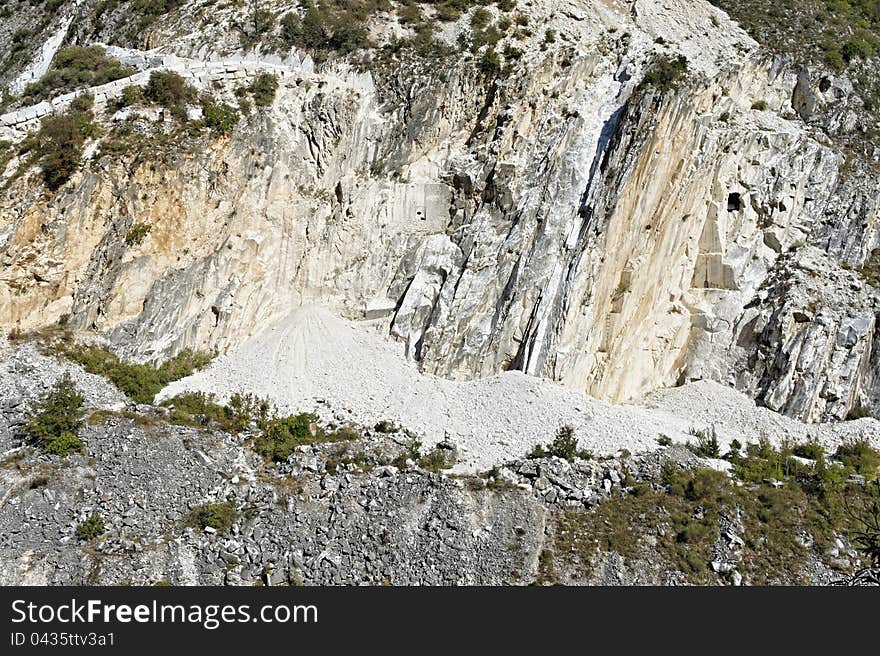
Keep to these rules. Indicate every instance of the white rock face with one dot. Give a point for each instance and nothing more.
(566, 221)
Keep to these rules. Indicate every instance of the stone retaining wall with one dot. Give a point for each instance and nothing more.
(199, 74)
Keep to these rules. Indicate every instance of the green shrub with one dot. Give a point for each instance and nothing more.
(490, 63)
(90, 528)
(282, 435)
(707, 445)
(220, 117)
(761, 462)
(665, 72)
(197, 409)
(263, 89)
(386, 426)
(58, 144)
(328, 27)
(7, 152)
(55, 419)
(291, 29)
(865, 533)
(857, 49)
(435, 461)
(131, 95)
(137, 233)
(812, 450)
(219, 516)
(834, 59)
(171, 91)
(759, 105)
(76, 67)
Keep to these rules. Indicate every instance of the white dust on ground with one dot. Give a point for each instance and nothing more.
(314, 361)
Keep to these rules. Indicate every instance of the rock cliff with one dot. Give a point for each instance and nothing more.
(572, 218)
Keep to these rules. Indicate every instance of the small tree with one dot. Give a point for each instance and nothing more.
(171, 91)
(56, 418)
(565, 446)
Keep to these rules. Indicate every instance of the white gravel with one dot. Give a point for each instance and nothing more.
(314, 361)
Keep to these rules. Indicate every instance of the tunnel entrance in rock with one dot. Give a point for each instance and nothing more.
(734, 202)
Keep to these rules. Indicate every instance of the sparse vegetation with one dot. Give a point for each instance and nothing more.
(282, 435)
(327, 29)
(683, 511)
(139, 14)
(56, 418)
(198, 409)
(101, 417)
(58, 144)
(137, 233)
(140, 382)
(842, 36)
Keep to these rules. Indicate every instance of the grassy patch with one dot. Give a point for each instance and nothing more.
(101, 417)
(218, 516)
(840, 35)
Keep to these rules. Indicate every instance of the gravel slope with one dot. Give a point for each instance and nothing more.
(315, 361)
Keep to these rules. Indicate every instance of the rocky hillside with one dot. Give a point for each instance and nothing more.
(188, 493)
(537, 208)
